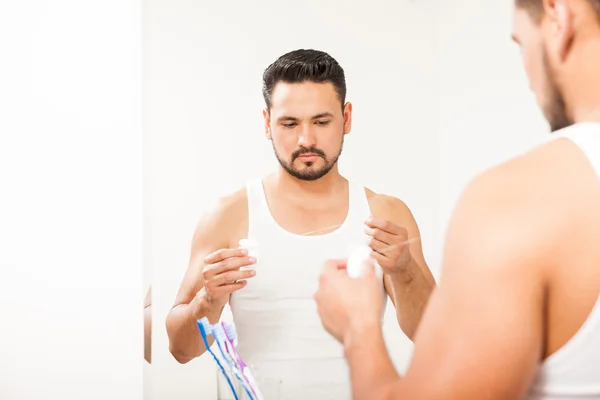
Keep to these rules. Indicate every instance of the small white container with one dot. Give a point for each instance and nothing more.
(356, 262)
(252, 247)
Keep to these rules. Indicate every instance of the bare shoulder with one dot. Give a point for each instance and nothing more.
(214, 231)
(548, 179)
(529, 202)
(223, 221)
(547, 167)
(388, 207)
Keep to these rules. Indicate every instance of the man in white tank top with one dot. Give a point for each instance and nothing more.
(302, 215)
(517, 314)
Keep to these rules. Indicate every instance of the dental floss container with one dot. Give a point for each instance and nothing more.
(252, 247)
(356, 262)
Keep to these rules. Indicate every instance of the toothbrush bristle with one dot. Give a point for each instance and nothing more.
(205, 325)
(217, 333)
(230, 331)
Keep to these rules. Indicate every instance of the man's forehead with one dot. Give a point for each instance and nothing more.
(307, 99)
(314, 111)
(285, 92)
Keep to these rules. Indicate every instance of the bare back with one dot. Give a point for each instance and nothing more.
(513, 315)
(571, 358)
(566, 226)
(574, 280)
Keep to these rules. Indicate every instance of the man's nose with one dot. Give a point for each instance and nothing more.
(306, 136)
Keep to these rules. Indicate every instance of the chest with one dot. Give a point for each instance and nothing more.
(289, 267)
(304, 218)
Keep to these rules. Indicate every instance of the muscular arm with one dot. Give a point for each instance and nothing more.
(482, 334)
(410, 290)
(185, 341)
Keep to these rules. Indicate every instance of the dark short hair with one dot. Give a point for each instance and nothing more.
(303, 65)
(536, 8)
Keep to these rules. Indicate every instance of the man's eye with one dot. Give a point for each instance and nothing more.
(322, 123)
(289, 125)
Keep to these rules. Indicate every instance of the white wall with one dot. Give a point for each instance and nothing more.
(487, 112)
(70, 198)
(203, 69)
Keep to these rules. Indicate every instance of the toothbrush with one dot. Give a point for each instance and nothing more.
(231, 335)
(222, 342)
(204, 327)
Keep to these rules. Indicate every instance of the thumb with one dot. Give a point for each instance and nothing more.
(334, 265)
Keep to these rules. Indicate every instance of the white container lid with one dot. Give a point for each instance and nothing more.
(251, 245)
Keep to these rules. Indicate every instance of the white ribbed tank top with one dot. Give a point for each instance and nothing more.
(280, 335)
(573, 372)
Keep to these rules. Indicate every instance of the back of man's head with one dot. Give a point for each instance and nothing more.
(560, 45)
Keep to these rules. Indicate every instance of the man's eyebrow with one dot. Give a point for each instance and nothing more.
(322, 115)
(288, 118)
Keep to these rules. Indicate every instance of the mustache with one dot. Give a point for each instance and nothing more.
(312, 150)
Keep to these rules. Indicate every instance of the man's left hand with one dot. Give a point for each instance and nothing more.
(389, 243)
(348, 305)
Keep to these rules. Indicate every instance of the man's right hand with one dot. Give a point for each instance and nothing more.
(222, 275)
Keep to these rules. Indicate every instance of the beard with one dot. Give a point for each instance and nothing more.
(554, 108)
(309, 172)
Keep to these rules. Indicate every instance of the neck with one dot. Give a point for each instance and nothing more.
(583, 95)
(331, 183)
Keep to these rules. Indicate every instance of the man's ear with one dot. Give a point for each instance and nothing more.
(561, 17)
(267, 118)
(347, 118)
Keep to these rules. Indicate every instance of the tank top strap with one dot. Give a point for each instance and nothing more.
(587, 137)
(258, 208)
(359, 209)
(358, 213)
